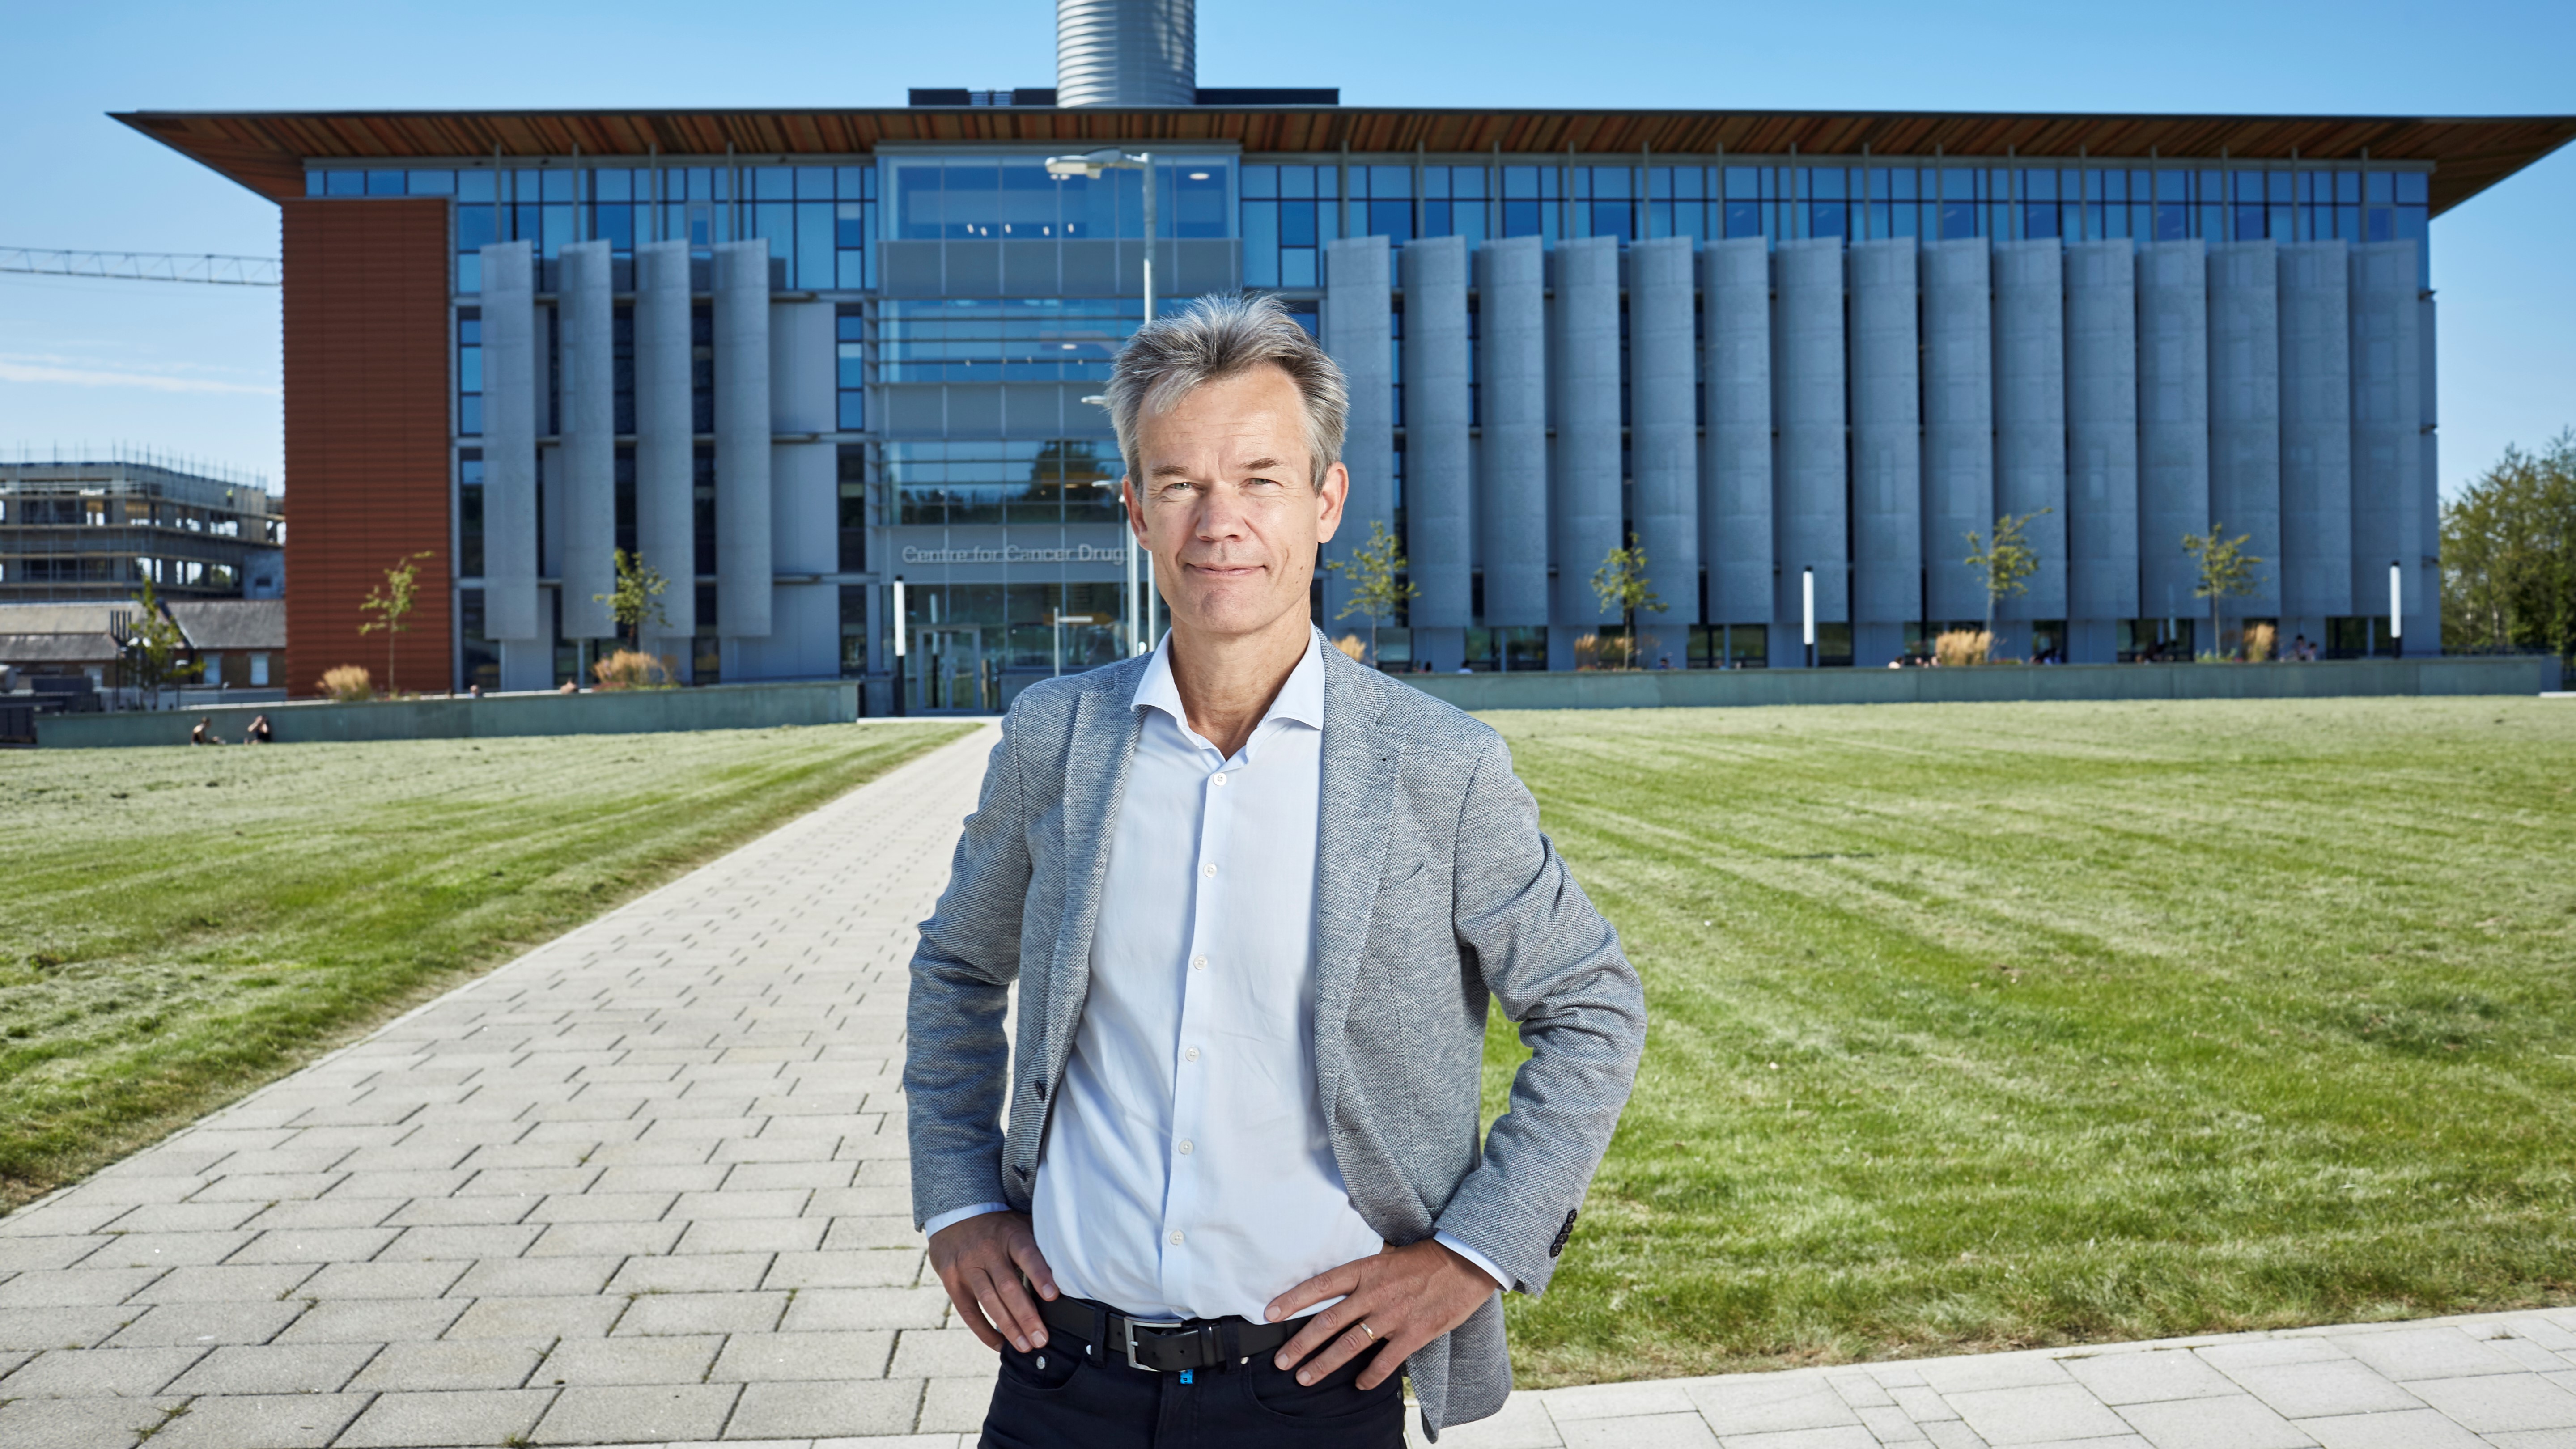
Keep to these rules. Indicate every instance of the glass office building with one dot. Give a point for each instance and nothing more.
(1793, 356)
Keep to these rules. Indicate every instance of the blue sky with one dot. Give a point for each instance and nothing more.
(195, 369)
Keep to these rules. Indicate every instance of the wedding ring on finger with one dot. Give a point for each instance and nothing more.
(1364, 1328)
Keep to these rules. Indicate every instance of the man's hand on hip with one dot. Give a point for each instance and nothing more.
(1395, 1303)
(980, 1261)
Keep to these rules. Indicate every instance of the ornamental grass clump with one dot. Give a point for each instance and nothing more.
(348, 684)
(1963, 646)
(633, 669)
(2260, 641)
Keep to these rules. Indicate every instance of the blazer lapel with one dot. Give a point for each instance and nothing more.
(1098, 752)
(1358, 786)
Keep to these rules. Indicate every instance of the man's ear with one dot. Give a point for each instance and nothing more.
(1135, 513)
(1330, 501)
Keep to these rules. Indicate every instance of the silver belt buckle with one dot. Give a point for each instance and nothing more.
(1136, 1323)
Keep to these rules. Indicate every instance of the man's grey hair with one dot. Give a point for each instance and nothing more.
(1215, 338)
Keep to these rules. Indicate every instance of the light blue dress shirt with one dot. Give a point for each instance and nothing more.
(1187, 1171)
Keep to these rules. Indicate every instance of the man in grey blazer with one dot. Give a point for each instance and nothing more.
(1228, 1187)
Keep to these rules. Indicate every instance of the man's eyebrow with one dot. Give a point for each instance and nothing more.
(1263, 465)
(1171, 470)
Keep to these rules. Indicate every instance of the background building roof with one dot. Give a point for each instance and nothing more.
(231, 623)
(266, 150)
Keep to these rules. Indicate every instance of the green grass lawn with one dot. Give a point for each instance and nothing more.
(178, 926)
(1978, 1026)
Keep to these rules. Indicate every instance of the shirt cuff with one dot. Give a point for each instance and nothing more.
(1501, 1279)
(959, 1215)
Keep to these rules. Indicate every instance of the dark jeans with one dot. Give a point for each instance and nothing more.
(1072, 1403)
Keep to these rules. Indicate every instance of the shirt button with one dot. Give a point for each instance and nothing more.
(1216, 779)
(1199, 964)
(1208, 869)
(1191, 1055)
(1176, 1237)
(1187, 1147)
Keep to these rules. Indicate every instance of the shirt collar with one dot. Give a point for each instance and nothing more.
(1300, 700)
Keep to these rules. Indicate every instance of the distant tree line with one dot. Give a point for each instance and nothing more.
(2509, 555)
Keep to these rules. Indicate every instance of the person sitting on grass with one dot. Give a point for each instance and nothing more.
(259, 732)
(198, 735)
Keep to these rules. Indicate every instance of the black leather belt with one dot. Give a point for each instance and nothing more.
(1164, 1345)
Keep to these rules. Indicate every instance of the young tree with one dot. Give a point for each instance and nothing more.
(638, 597)
(2509, 554)
(152, 641)
(1621, 583)
(2007, 563)
(1377, 591)
(389, 607)
(2225, 569)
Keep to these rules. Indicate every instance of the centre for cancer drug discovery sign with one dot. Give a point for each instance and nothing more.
(1013, 553)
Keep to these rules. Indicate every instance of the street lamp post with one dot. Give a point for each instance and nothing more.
(1090, 165)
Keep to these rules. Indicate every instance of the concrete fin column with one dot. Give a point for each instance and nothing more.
(1958, 423)
(2424, 571)
(1735, 483)
(743, 561)
(1886, 439)
(2030, 421)
(1357, 298)
(1583, 350)
(804, 640)
(510, 612)
(2173, 425)
(1664, 433)
(665, 447)
(1438, 502)
(1809, 502)
(586, 375)
(2387, 424)
(2245, 412)
(2101, 446)
(1511, 509)
(2316, 436)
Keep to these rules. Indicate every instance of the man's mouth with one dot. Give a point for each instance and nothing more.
(1223, 571)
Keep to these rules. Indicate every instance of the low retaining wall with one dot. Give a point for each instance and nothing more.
(1668, 688)
(612, 712)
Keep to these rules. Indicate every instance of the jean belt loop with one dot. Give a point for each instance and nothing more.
(1099, 1329)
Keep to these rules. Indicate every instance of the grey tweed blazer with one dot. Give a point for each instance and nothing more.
(1434, 890)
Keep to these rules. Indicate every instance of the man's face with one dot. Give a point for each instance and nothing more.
(1224, 502)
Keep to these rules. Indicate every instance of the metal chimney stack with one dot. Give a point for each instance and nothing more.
(1126, 53)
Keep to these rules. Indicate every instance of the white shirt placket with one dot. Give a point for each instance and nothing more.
(1183, 1192)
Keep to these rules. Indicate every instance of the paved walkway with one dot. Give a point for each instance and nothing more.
(646, 1185)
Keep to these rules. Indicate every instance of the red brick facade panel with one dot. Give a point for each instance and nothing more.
(367, 362)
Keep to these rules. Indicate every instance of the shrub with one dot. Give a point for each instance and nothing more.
(348, 684)
(2260, 641)
(1963, 646)
(1352, 645)
(632, 669)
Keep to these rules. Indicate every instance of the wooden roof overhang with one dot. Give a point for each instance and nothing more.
(267, 150)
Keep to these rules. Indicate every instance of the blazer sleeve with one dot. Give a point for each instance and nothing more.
(956, 1067)
(1556, 968)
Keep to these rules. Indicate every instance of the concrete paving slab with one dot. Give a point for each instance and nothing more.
(825, 1409)
(409, 1421)
(451, 1364)
(261, 1421)
(2238, 1422)
(100, 1373)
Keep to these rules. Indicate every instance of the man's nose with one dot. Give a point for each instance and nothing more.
(1220, 515)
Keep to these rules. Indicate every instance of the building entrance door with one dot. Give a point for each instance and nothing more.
(951, 662)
